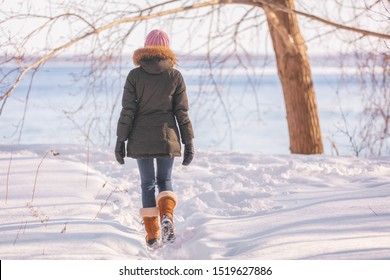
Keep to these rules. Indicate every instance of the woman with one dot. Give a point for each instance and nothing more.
(153, 120)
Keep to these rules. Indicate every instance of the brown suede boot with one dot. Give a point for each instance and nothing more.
(152, 228)
(166, 202)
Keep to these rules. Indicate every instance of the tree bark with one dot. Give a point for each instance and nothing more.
(296, 79)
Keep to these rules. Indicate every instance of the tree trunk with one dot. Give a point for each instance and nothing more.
(295, 76)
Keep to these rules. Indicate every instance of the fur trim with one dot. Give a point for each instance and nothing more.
(153, 52)
(167, 194)
(149, 212)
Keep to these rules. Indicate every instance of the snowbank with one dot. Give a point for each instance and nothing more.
(83, 205)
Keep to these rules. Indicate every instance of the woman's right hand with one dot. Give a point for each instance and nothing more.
(120, 151)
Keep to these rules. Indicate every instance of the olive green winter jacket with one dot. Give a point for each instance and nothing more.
(154, 116)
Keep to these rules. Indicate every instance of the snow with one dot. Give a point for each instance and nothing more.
(231, 206)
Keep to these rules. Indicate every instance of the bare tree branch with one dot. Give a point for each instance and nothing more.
(277, 7)
(141, 17)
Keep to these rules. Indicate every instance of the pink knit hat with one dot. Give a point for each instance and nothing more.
(157, 38)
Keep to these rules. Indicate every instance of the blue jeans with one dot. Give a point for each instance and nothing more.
(149, 178)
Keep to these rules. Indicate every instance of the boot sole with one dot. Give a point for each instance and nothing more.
(168, 235)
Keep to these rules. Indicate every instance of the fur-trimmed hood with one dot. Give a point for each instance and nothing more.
(154, 59)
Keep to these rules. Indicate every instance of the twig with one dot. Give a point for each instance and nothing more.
(36, 176)
(20, 229)
(373, 211)
(355, 146)
(104, 185)
(53, 153)
(105, 203)
(9, 168)
(64, 228)
(86, 177)
(334, 146)
(24, 228)
(26, 103)
(17, 235)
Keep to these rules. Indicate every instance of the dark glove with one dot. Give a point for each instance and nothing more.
(189, 153)
(120, 151)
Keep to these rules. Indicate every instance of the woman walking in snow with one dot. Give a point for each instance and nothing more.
(154, 111)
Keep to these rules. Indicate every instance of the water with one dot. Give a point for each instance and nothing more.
(231, 111)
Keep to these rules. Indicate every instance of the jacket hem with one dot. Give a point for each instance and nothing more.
(153, 156)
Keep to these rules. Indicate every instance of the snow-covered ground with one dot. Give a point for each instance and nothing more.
(81, 204)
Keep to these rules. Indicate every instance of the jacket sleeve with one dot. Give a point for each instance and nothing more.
(180, 109)
(129, 109)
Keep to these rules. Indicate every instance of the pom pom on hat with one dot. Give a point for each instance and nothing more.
(157, 38)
